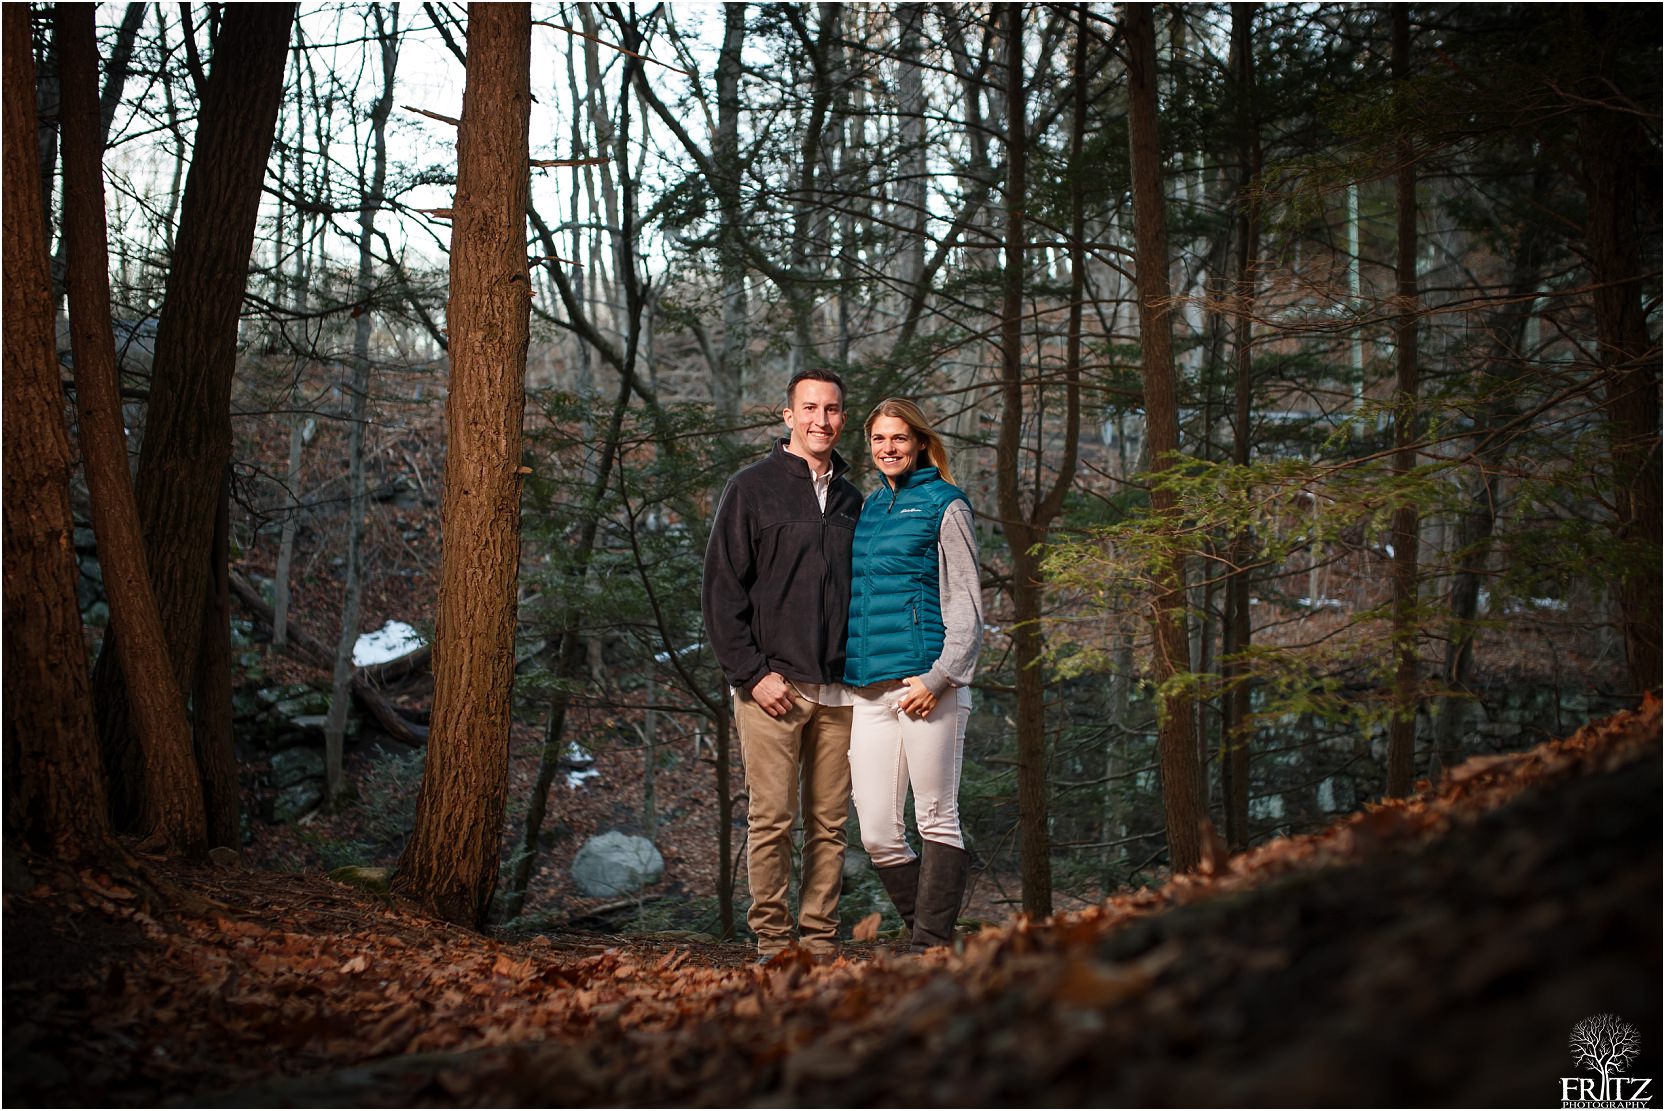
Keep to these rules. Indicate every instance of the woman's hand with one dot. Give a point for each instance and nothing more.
(917, 699)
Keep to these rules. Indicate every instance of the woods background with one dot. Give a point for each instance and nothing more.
(1302, 365)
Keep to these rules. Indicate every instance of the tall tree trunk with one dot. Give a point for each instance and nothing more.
(1026, 528)
(1406, 679)
(910, 107)
(47, 111)
(1498, 387)
(187, 441)
(725, 820)
(1034, 836)
(215, 749)
(1235, 730)
(115, 79)
(525, 857)
(171, 814)
(1176, 740)
(341, 689)
(728, 377)
(286, 538)
(301, 426)
(584, 383)
(54, 790)
(570, 647)
(451, 860)
(1617, 159)
(650, 756)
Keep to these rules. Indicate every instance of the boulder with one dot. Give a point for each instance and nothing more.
(295, 803)
(364, 877)
(614, 863)
(300, 705)
(296, 765)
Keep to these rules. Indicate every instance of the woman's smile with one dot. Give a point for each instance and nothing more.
(895, 449)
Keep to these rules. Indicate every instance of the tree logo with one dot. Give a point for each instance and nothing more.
(1605, 1044)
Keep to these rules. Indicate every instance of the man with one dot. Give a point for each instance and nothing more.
(776, 599)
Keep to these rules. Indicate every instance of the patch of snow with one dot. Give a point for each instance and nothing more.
(1388, 548)
(576, 779)
(1555, 604)
(1266, 807)
(665, 657)
(1320, 602)
(389, 642)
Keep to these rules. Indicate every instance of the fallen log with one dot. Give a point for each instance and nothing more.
(391, 671)
(365, 680)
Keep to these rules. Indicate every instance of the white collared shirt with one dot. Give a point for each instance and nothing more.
(822, 483)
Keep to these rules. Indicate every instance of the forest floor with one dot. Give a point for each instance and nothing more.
(1435, 950)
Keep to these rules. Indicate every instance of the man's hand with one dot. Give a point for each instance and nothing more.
(774, 694)
(917, 700)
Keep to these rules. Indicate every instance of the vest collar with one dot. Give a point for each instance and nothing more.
(919, 476)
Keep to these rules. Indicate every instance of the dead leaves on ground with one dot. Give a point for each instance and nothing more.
(307, 977)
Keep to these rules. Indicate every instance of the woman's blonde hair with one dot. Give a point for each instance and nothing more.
(911, 415)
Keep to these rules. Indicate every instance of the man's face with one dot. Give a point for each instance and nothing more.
(815, 417)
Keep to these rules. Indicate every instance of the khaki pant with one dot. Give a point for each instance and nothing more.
(802, 759)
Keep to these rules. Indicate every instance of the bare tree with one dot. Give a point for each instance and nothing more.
(1176, 730)
(1236, 729)
(387, 38)
(1026, 526)
(1605, 1043)
(1401, 752)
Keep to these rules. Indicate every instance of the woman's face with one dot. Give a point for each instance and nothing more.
(895, 448)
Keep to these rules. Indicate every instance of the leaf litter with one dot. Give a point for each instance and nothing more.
(1416, 934)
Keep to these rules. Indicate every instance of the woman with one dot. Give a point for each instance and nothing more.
(916, 624)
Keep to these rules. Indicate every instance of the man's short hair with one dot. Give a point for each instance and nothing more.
(814, 374)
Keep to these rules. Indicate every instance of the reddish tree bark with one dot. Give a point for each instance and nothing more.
(450, 862)
(187, 440)
(154, 701)
(54, 791)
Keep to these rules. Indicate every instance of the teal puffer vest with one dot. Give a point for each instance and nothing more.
(896, 625)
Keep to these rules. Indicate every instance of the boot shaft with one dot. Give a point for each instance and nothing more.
(943, 871)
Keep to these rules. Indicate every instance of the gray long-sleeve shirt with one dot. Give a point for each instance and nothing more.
(960, 593)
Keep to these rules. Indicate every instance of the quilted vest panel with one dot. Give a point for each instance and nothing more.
(896, 627)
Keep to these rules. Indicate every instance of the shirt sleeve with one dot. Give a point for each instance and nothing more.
(725, 595)
(961, 595)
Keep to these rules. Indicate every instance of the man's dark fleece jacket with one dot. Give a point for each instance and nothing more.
(776, 595)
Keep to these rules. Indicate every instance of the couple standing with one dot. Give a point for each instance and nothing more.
(848, 633)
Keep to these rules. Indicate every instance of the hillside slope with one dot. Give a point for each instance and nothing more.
(1434, 951)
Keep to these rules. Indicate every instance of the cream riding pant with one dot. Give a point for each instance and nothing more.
(889, 751)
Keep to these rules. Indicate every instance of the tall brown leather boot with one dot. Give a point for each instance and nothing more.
(942, 878)
(902, 885)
